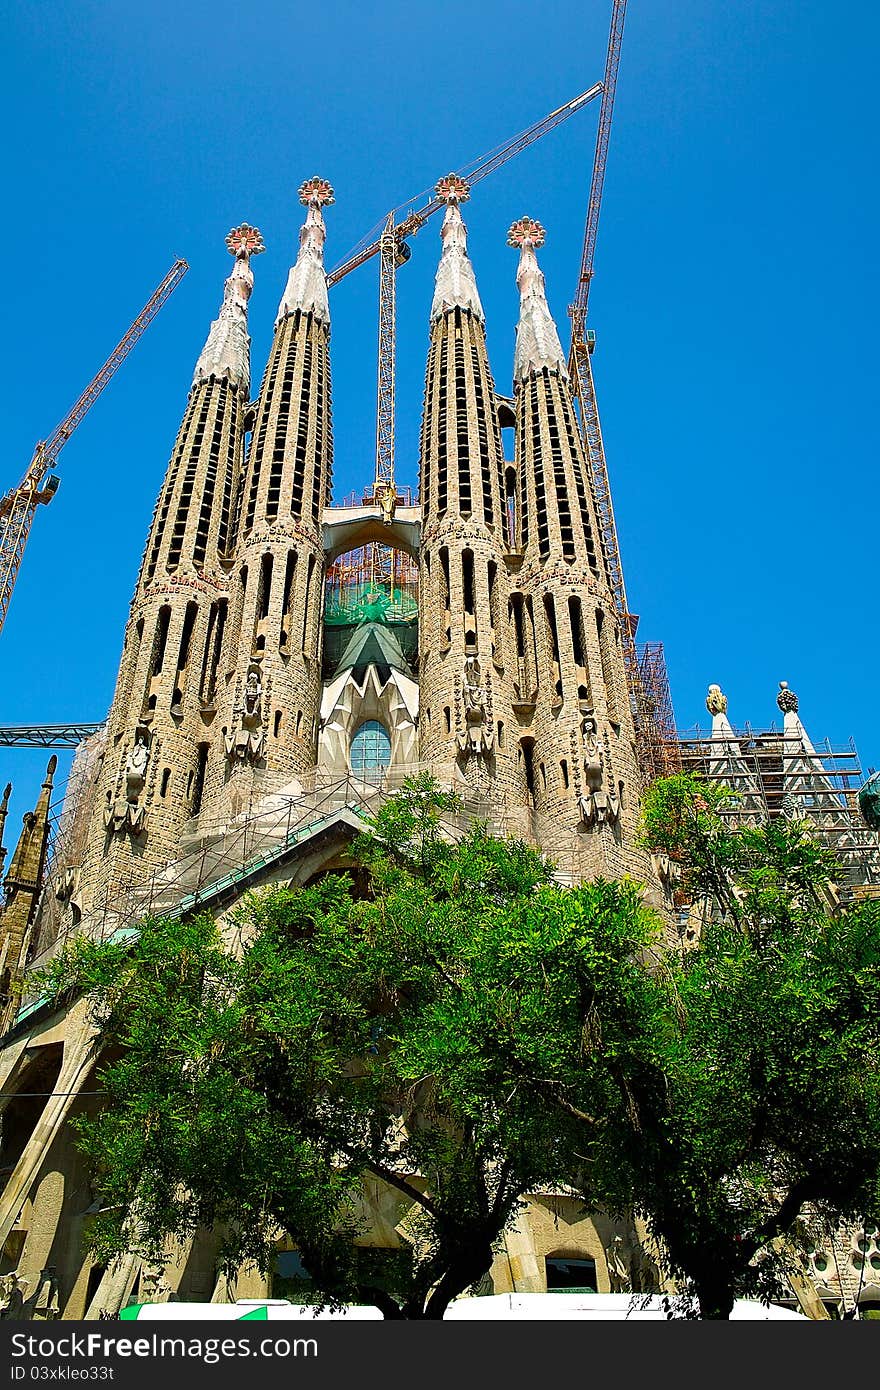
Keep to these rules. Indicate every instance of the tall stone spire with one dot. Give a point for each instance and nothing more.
(4, 810)
(455, 285)
(465, 726)
(306, 287)
(576, 722)
(227, 350)
(267, 723)
(22, 884)
(160, 723)
(537, 341)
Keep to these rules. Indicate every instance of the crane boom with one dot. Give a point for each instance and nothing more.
(38, 484)
(393, 251)
(473, 173)
(600, 159)
(46, 735)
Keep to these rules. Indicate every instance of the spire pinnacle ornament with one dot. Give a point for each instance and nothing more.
(316, 193)
(537, 341)
(526, 231)
(452, 188)
(245, 241)
(716, 700)
(786, 699)
(455, 285)
(307, 282)
(227, 350)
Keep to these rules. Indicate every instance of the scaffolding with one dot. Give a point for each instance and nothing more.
(372, 583)
(229, 856)
(771, 774)
(653, 714)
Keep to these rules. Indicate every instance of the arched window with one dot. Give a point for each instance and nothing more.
(370, 749)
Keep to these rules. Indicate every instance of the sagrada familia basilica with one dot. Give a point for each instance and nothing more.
(287, 663)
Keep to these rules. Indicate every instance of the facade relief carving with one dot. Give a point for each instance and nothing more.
(248, 739)
(476, 736)
(127, 811)
(599, 802)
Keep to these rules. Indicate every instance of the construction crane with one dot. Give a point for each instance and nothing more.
(39, 483)
(393, 251)
(581, 342)
(46, 735)
(656, 754)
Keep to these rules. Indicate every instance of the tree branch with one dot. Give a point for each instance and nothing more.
(393, 1179)
(782, 1218)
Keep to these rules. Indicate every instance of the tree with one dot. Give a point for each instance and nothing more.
(399, 1036)
(770, 1098)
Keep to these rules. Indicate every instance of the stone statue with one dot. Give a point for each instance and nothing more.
(786, 699)
(127, 812)
(618, 1271)
(136, 765)
(253, 690)
(387, 499)
(599, 804)
(477, 737)
(248, 740)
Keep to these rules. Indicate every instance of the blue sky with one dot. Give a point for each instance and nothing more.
(735, 298)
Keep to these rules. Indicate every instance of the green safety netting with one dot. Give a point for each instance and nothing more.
(869, 801)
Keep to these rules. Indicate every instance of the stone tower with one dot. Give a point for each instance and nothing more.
(577, 738)
(22, 887)
(159, 729)
(272, 656)
(465, 668)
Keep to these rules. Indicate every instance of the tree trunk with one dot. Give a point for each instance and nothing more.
(715, 1297)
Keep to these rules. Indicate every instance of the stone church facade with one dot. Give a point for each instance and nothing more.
(243, 747)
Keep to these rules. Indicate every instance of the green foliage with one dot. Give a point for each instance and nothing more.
(410, 1039)
(466, 1031)
(772, 1084)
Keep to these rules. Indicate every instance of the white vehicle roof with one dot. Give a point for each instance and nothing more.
(507, 1307)
(559, 1307)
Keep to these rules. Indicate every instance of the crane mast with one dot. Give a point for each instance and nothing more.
(39, 484)
(393, 251)
(655, 755)
(581, 343)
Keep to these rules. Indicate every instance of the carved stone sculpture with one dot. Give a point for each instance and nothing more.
(599, 804)
(477, 737)
(247, 741)
(128, 812)
(253, 691)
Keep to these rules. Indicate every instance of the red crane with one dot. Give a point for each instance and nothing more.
(39, 484)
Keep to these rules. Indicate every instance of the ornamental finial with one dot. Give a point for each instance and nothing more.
(526, 232)
(245, 241)
(786, 699)
(716, 700)
(316, 193)
(452, 188)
